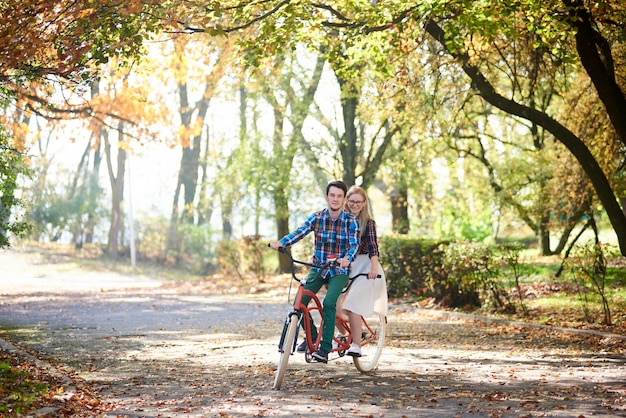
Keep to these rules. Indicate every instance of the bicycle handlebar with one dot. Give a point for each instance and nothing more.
(378, 276)
(330, 264)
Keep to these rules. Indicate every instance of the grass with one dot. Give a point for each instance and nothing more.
(570, 300)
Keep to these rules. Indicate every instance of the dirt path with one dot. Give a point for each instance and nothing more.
(166, 351)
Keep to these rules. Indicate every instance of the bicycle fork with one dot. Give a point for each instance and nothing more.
(290, 317)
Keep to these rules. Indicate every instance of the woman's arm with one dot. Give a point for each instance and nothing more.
(374, 271)
(372, 248)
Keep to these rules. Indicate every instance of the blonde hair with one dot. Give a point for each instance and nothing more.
(364, 215)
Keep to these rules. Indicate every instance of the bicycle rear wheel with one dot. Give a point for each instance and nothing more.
(286, 349)
(372, 342)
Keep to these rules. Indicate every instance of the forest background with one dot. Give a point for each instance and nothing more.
(182, 133)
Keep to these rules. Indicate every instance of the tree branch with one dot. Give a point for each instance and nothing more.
(192, 30)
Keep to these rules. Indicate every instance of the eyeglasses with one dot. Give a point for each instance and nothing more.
(355, 202)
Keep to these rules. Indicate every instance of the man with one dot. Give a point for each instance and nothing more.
(336, 233)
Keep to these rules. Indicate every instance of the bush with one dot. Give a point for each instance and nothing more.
(228, 257)
(473, 272)
(197, 248)
(253, 251)
(409, 263)
(246, 255)
(12, 165)
(150, 240)
(455, 274)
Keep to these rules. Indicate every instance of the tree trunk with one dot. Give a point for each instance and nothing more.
(191, 147)
(188, 172)
(94, 177)
(77, 229)
(284, 155)
(595, 56)
(205, 205)
(117, 192)
(94, 192)
(349, 139)
(189, 180)
(281, 206)
(355, 153)
(544, 235)
(571, 223)
(189, 164)
(227, 214)
(399, 211)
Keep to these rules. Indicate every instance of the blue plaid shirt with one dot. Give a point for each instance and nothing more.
(339, 237)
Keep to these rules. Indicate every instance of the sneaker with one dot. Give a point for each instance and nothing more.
(321, 355)
(339, 337)
(302, 347)
(354, 350)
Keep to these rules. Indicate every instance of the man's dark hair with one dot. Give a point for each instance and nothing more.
(339, 184)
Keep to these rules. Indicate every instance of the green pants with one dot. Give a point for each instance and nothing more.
(314, 283)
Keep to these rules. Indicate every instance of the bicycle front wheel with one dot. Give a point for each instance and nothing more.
(372, 342)
(287, 347)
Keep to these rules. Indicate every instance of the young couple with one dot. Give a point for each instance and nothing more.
(344, 229)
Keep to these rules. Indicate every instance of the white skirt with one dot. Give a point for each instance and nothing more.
(365, 296)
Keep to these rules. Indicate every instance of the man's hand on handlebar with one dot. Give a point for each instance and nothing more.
(275, 245)
(344, 262)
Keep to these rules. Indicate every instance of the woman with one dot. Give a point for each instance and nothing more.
(366, 295)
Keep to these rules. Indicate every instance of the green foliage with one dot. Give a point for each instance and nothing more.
(467, 274)
(12, 165)
(60, 208)
(409, 263)
(197, 247)
(200, 251)
(474, 275)
(492, 20)
(150, 242)
(459, 222)
(243, 256)
(456, 274)
(510, 260)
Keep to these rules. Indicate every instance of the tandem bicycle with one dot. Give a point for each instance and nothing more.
(372, 338)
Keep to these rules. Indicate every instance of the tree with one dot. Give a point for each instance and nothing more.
(464, 29)
(58, 41)
(195, 87)
(120, 92)
(289, 87)
(66, 202)
(571, 141)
